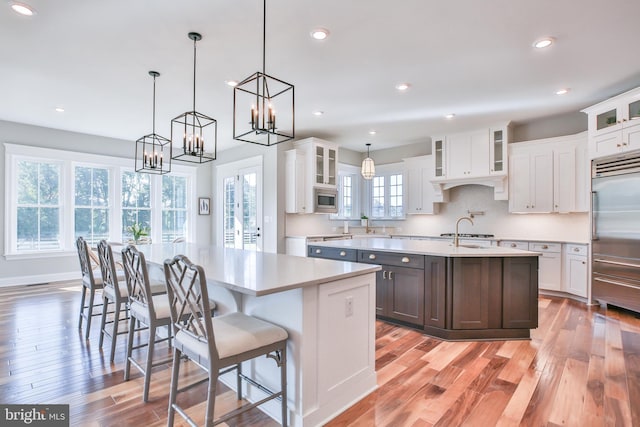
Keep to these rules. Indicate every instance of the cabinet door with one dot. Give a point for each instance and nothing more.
(331, 162)
(631, 137)
(480, 154)
(519, 182)
(520, 293)
(550, 275)
(406, 293)
(320, 164)
(439, 157)
(498, 151)
(381, 292)
(564, 179)
(605, 144)
(542, 182)
(475, 300)
(414, 193)
(576, 281)
(435, 288)
(458, 156)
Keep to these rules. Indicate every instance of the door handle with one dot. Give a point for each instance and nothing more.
(594, 230)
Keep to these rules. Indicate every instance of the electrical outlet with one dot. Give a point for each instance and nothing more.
(348, 306)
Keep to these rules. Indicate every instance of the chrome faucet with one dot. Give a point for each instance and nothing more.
(456, 240)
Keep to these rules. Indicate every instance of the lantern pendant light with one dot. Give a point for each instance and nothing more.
(258, 99)
(368, 170)
(194, 136)
(151, 148)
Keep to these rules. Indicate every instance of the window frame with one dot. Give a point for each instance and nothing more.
(115, 165)
(386, 171)
(356, 191)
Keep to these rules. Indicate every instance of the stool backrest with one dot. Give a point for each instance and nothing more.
(85, 261)
(108, 267)
(189, 301)
(137, 277)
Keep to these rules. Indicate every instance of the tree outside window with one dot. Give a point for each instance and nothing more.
(136, 202)
(91, 211)
(174, 207)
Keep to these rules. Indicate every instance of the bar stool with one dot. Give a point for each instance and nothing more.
(114, 291)
(152, 311)
(219, 344)
(89, 283)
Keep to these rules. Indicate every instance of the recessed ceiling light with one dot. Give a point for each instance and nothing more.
(23, 9)
(318, 113)
(372, 132)
(543, 42)
(450, 116)
(562, 91)
(60, 109)
(403, 86)
(320, 33)
(232, 83)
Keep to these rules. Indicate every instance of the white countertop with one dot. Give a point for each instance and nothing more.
(257, 273)
(425, 247)
(494, 239)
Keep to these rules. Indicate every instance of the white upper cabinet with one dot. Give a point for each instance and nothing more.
(614, 124)
(421, 196)
(549, 175)
(498, 150)
(312, 164)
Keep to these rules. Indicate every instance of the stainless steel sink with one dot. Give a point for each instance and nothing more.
(472, 246)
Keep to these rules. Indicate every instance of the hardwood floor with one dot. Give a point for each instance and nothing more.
(581, 368)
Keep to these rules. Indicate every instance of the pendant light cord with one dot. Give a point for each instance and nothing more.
(154, 104)
(264, 35)
(194, 73)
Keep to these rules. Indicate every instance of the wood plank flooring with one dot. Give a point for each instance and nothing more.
(581, 368)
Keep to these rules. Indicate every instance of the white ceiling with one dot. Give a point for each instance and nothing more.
(470, 57)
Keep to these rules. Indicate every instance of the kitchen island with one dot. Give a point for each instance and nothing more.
(327, 308)
(466, 292)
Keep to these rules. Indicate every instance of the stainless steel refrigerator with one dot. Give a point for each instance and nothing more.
(615, 239)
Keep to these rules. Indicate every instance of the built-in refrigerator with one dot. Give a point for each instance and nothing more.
(615, 234)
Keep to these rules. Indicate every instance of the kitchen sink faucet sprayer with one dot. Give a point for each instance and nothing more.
(456, 240)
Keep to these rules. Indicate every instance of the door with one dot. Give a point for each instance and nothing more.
(242, 213)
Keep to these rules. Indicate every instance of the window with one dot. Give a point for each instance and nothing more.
(387, 193)
(348, 192)
(174, 207)
(91, 207)
(51, 199)
(229, 212)
(38, 206)
(136, 201)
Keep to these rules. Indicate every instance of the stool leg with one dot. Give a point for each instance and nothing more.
(84, 295)
(283, 383)
(92, 295)
(239, 380)
(211, 397)
(127, 363)
(103, 322)
(114, 332)
(173, 393)
(147, 371)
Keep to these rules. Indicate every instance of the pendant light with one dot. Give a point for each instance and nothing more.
(151, 149)
(258, 100)
(368, 170)
(194, 135)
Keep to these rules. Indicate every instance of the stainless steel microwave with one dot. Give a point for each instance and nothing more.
(325, 200)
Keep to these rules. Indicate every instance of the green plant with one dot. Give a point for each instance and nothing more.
(137, 231)
(363, 216)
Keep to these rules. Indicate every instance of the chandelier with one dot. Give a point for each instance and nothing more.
(151, 148)
(193, 134)
(258, 100)
(368, 170)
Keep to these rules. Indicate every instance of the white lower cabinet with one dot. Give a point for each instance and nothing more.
(576, 269)
(549, 265)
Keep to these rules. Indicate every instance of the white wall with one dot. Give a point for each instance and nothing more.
(64, 267)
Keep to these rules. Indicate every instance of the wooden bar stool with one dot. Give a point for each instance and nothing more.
(219, 344)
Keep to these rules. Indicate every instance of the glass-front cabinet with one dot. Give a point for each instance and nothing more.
(326, 165)
(439, 157)
(499, 137)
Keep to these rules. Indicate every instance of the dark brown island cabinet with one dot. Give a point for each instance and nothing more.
(454, 298)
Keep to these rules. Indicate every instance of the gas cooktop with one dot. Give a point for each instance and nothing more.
(477, 236)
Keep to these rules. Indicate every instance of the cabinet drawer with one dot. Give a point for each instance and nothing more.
(572, 249)
(514, 244)
(388, 258)
(333, 253)
(545, 247)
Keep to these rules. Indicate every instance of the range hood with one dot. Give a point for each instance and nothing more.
(500, 184)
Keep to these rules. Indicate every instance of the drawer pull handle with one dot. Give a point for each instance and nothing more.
(405, 259)
(545, 247)
(343, 253)
(372, 256)
(513, 245)
(384, 274)
(318, 251)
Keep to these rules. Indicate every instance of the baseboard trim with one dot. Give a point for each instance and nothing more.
(37, 279)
